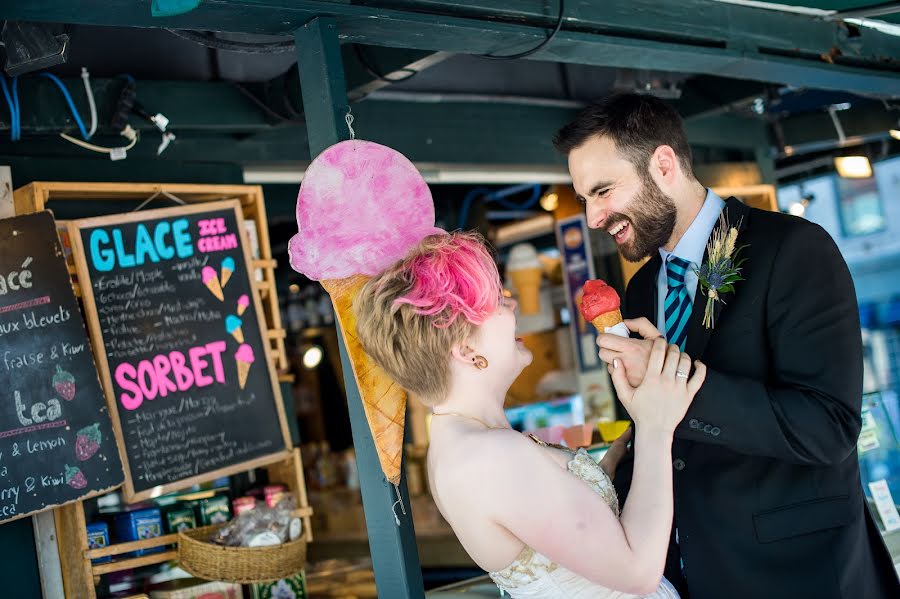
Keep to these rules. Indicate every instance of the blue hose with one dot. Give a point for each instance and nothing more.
(499, 196)
(12, 108)
(62, 87)
(15, 95)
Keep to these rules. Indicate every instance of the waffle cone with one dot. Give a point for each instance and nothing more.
(243, 372)
(527, 282)
(215, 288)
(226, 274)
(607, 319)
(238, 335)
(384, 400)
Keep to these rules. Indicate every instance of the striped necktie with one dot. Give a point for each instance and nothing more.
(677, 308)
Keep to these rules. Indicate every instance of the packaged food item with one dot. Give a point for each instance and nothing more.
(273, 494)
(194, 588)
(98, 538)
(242, 504)
(214, 510)
(178, 517)
(261, 526)
(294, 587)
(139, 525)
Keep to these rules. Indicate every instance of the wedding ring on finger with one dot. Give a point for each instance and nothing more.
(681, 374)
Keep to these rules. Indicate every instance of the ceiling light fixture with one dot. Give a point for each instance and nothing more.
(853, 167)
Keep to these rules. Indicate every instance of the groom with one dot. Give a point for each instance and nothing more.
(768, 499)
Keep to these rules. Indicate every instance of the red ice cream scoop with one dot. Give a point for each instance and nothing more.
(598, 298)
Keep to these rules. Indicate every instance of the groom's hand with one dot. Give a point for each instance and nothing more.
(634, 353)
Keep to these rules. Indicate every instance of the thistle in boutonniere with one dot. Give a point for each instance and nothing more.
(722, 268)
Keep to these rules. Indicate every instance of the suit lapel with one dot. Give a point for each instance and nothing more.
(698, 335)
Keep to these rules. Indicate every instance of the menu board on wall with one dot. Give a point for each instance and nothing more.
(56, 439)
(180, 344)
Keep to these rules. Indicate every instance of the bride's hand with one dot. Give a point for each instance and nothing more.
(660, 402)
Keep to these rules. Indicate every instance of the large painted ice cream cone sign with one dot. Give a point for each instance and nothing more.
(361, 208)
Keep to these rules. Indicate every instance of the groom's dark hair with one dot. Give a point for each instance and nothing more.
(636, 123)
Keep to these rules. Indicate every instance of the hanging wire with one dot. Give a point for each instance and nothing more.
(539, 47)
(62, 87)
(86, 77)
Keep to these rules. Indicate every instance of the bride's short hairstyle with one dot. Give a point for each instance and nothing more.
(410, 316)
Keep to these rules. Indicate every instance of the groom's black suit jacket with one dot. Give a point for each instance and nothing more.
(768, 499)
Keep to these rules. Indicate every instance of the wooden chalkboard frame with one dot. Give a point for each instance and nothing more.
(97, 492)
(97, 342)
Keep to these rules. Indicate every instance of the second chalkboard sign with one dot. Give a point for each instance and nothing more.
(178, 329)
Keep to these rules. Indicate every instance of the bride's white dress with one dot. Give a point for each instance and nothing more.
(533, 575)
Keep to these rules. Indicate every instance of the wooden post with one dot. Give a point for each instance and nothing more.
(395, 557)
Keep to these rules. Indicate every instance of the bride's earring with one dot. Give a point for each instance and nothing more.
(480, 362)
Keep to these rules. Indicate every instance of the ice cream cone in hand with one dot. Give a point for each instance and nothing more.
(600, 305)
(211, 280)
(243, 358)
(384, 400)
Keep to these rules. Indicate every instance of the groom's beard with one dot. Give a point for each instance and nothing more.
(652, 221)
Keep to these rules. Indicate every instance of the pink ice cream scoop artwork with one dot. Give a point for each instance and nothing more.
(243, 358)
(362, 206)
(243, 303)
(211, 279)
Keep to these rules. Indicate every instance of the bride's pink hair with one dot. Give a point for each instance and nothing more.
(453, 276)
(412, 315)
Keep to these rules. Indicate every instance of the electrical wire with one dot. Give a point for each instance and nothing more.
(68, 96)
(128, 132)
(211, 41)
(86, 78)
(378, 75)
(265, 107)
(539, 47)
(13, 113)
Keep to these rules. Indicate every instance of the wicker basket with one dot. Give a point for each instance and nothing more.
(243, 565)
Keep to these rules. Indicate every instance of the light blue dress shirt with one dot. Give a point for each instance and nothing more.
(691, 247)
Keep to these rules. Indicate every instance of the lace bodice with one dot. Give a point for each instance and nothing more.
(533, 575)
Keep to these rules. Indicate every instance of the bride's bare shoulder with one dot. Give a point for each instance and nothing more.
(483, 453)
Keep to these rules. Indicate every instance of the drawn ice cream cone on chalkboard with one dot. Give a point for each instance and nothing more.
(75, 477)
(64, 383)
(87, 441)
(243, 303)
(227, 269)
(233, 326)
(244, 358)
(211, 280)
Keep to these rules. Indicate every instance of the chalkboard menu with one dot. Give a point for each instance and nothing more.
(178, 330)
(56, 441)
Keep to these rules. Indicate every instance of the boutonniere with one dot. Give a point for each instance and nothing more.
(722, 268)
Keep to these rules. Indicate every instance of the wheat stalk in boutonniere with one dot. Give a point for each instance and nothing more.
(722, 268)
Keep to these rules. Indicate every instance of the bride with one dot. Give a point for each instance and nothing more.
(544, 521)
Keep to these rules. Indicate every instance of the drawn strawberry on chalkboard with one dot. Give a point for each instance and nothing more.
(87, 441)
(75, 477)
(64, 383)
